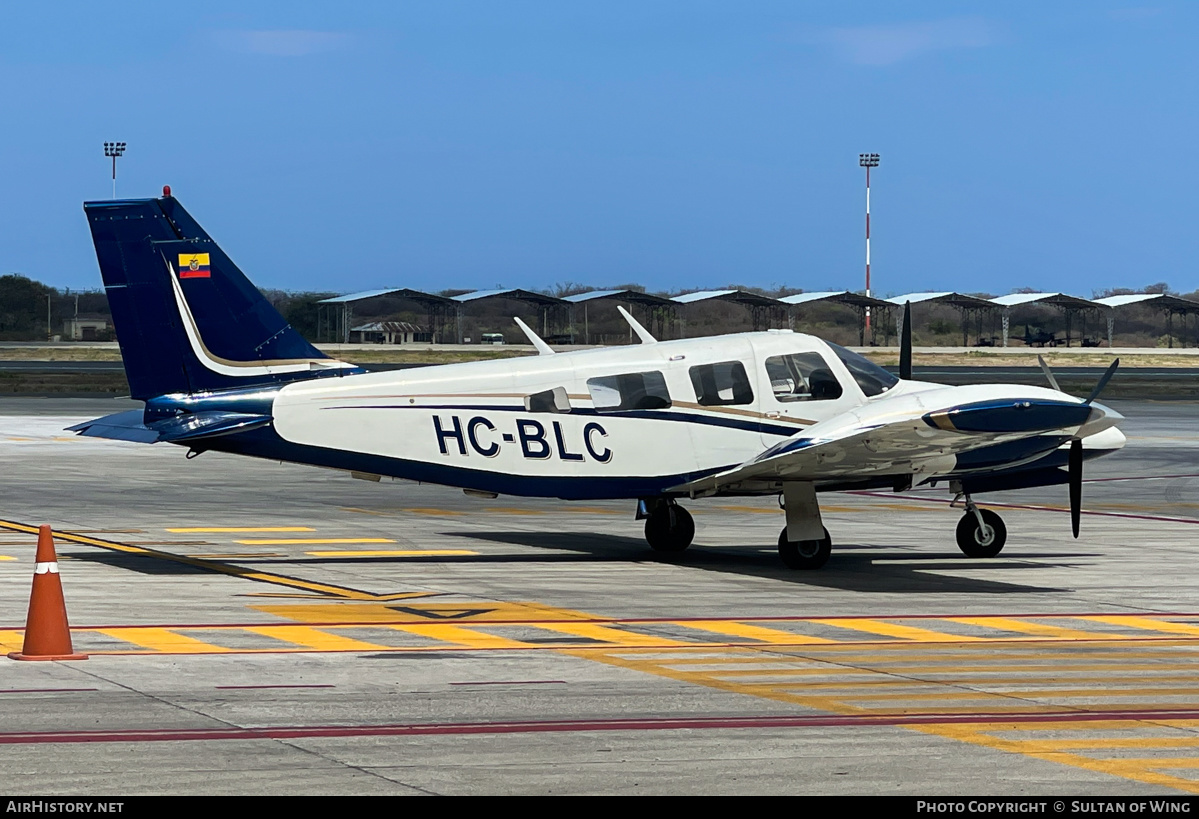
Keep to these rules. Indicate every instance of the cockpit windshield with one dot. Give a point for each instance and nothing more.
(873, 379)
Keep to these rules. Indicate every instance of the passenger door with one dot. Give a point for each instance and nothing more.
(799, 388)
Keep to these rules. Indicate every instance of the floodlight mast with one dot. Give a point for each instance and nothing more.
(868, 161)
(114, 149)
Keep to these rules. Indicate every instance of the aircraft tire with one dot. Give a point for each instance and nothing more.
(669, 529)
(970, 538)
(804, 554)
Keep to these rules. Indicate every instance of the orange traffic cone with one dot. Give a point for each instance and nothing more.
(47, 633)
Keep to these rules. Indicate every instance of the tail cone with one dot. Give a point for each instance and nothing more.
(47, 633)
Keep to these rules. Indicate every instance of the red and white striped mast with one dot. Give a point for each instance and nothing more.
(868, 161)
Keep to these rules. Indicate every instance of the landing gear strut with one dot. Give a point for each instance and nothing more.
(669, 527)
(980, 532)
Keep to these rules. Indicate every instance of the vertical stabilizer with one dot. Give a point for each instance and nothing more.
(187, 319)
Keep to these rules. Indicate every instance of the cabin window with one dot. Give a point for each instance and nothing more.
(718, 385)
(555, 400)
(802, 377)
(629, 391)
(873, 379)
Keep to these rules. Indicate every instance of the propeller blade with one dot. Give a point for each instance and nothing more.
(1075, 484)
(1107, 376)
(905, 343)
(1048, 374)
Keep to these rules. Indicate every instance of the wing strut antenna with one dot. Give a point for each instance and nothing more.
(534, 339)
(641, 332)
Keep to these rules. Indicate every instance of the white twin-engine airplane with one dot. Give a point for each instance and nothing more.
(768, 413)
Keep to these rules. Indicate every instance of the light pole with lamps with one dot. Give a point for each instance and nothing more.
(868, 161)
(114, 149)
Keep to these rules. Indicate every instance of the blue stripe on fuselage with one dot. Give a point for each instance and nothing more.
(266, 443)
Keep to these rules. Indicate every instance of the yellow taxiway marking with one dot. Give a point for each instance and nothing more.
(1140, 770)
(458, 635)
(897, 630)
(1157, 724)
(1117, 742)
(193, 529)
(303, 541)
(1147, 624)
(240, 555)
(12, 640)
(396, 553)
(826, 697)
(594, 510)
(421, 613)
(7, 557)
(607, 634)
(161, 639)
(322, 589)
(1038, 629)
(315, 638)
(434, 512)
(752, 632)
(513, 510)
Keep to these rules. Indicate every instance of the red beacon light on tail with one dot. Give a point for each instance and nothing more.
(166, 190)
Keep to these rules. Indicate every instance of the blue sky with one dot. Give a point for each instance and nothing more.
(348, 146)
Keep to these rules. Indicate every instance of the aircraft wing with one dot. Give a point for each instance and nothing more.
(900, 440)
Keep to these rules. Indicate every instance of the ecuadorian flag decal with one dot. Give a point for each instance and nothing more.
(194, 266)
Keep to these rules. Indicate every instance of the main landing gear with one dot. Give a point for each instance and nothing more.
(668, 526)
(980, 532)
(805, 554)
(804, 542)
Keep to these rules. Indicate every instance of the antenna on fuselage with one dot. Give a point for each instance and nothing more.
(536, 340)
(641, 332)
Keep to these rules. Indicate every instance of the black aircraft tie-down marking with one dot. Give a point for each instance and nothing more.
(451, 614)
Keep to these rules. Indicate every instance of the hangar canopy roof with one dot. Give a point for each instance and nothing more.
(397, 292)
(632, 296)
(735, 296)
(1055, 299)
(954, 299)
(837, 297)
(509, 293)
(387, 327)
(1161, 301)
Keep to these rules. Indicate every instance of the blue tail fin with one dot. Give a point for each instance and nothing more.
(186, 318)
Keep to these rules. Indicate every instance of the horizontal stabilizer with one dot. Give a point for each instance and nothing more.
(130, 426)
(122, 426)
